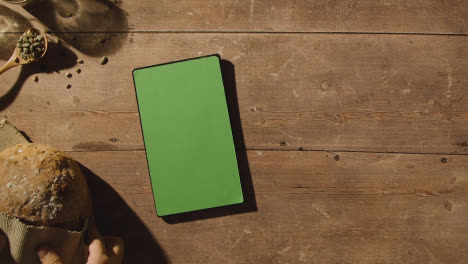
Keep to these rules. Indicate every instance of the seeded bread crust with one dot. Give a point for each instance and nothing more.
(43, 186)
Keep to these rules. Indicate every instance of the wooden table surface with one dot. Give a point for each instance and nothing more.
(351, 119)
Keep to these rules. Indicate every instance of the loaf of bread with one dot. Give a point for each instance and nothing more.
(43, 186)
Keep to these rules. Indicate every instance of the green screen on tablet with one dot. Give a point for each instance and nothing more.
(187, 134)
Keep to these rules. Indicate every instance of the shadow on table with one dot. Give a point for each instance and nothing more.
(10, 21)
(250, 203)
(114, 217)
(57, 58)
(73, 20)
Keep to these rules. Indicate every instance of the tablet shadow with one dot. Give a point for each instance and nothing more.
(114, 217)
(250, 203)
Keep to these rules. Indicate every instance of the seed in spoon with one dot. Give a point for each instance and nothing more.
(31, 45)
(36, 79)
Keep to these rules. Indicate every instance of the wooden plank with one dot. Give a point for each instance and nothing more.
(82, 130)
(310, 172)
(312, 208)
(408, 16)
(386, 93)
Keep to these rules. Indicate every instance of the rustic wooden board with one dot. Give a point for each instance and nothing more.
(313, 207)
(408, 16)
(387, 93)
(391, 91)
(82, 130)
(309, 172)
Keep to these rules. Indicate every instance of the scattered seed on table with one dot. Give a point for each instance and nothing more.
(69, 75)
(68, 86)
(78, 71)
(36, 79)
(104, 60)
(80, 61)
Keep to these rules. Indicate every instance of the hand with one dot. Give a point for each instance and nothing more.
(102, 250)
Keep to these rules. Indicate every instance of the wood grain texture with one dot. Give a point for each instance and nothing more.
(82, 130)
(315, 208)
(397, 83)
(409, 16)
(386, 93)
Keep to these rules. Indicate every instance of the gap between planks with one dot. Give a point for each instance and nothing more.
(296, 150)
(248, 32)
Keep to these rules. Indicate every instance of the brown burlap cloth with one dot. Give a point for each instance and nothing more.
(24, 239)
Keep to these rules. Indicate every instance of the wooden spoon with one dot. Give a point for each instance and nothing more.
(16, 59)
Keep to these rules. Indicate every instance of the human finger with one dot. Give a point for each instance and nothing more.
(97, 252)
(48, 256)
(115, 246)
